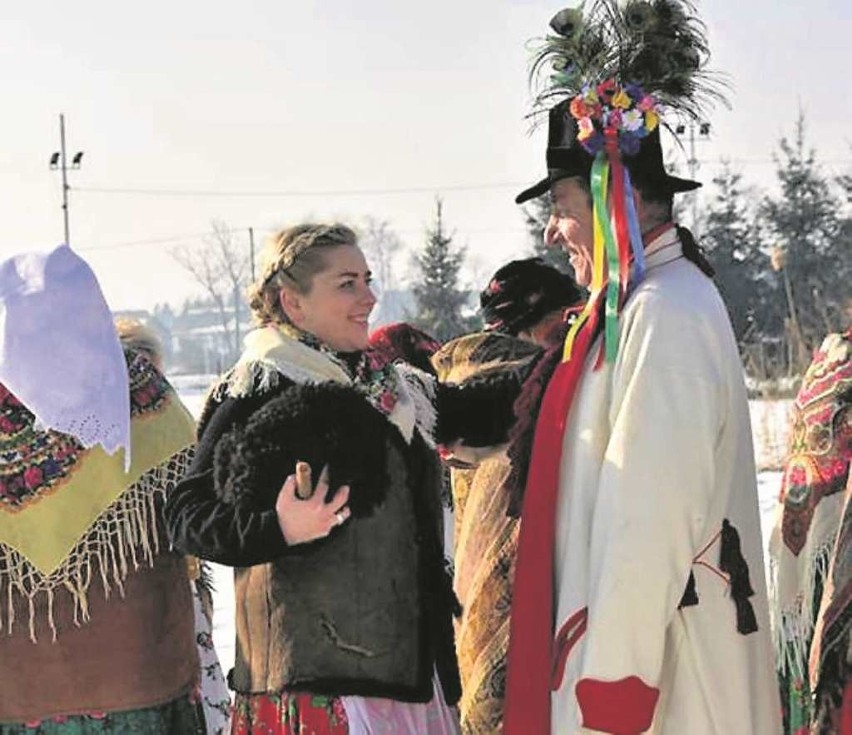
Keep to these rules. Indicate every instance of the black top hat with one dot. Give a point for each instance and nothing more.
(566, 158)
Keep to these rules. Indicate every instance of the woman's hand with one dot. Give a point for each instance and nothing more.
(304, 520)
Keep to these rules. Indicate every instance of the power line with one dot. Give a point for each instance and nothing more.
(165, 240)
(762, 161)
(202, 235)
(389, 191)
(156, 241)
(296, 193)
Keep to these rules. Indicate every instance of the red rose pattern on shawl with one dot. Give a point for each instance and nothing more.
(820, 442)
(34, 463)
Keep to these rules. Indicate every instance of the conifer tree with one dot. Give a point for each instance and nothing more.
(440, 298)
(730, 237)
(803, 227)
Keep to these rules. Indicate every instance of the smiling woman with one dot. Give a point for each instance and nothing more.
(337, 306)
(316, 477)
(316, 279)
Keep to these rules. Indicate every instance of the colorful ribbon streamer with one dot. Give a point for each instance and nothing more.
(619, 213)
(600, 171)
(614, 239)
(635, 231)
(600, 174)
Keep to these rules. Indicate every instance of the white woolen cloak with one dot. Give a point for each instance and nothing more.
(657, 453)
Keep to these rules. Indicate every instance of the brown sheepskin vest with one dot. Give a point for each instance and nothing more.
(350, 614)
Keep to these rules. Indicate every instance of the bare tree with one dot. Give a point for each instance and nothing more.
(381, 245)
(221, 267)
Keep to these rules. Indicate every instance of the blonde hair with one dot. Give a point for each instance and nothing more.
(291, 259)
(136, 336)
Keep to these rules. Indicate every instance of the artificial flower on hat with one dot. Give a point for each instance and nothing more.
(640, 56)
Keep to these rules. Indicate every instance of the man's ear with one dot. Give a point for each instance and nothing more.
(291, 304)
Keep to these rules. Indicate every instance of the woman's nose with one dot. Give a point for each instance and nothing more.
(368, 296)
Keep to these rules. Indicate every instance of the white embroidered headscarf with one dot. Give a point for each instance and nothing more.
(59, 351)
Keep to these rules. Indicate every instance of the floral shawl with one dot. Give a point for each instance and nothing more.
(485, 541)
(401, 392)
(810, 513)
(67, 513)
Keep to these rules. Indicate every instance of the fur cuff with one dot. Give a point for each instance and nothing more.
(478, 411)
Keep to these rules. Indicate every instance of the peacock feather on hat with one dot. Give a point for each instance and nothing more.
(659, 46)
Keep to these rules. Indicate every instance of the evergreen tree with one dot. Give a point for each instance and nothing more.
(846, 184)
(804, 228)
(844, 318)
(730, 237)
(440, 299)
(536, 215)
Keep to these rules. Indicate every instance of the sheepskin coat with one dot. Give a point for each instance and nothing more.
(367, 610)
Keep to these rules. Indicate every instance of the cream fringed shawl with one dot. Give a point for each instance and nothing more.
(275, 351)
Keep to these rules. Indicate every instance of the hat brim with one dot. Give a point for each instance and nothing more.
(535, 191)
(677, 185)
(674, 184)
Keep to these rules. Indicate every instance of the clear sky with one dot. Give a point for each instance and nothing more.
(266, 112)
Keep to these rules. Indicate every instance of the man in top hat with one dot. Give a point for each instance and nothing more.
(639, 601)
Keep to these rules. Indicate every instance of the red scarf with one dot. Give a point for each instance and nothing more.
(530, 657)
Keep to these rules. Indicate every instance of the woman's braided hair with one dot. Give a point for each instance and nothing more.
(292, 258)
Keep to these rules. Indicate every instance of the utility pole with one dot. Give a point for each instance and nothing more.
(703, 133)
(251, 251)
(237, 319)
(59, 161)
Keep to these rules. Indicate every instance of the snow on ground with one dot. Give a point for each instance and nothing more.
(224, 632)
(768, 487)
(192, 390)
(769, 427)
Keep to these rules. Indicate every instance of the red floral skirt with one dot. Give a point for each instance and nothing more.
(288, 713)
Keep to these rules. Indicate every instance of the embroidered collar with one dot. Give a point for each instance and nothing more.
(304, 359)
(367, 370)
